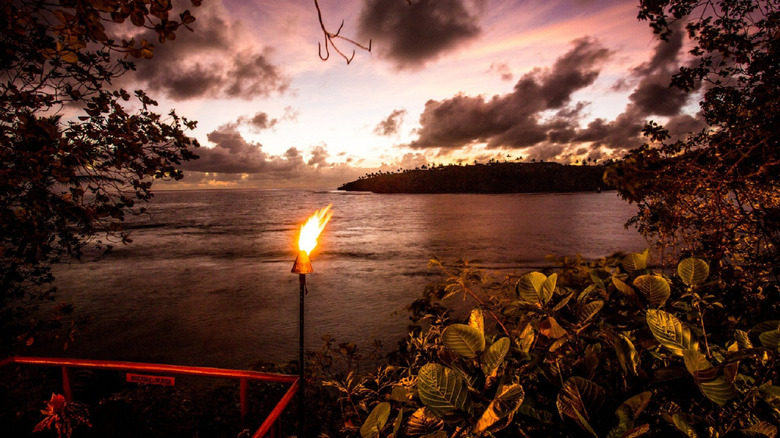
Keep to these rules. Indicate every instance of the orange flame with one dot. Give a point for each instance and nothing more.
(312, 229)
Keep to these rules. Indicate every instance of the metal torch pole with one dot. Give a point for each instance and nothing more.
(302, 266)
(301, 363)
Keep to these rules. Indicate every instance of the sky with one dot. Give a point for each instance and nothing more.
(446, 81)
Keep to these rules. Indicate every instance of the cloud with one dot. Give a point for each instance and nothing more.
(234, 161)
(319, 157)
(536, 111)
(652, 96)
(410, 35)
(501, 69)
(220, 59)
(231, 153)
(261, 121)
(391, 124)
(540, 117)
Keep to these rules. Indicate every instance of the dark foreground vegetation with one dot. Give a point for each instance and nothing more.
(485, 178)
(604, 348)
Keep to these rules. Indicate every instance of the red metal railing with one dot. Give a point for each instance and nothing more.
(270, 427)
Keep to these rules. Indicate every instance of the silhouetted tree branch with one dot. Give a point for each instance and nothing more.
(329, 38)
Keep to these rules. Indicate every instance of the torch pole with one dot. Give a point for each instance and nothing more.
(301, 363)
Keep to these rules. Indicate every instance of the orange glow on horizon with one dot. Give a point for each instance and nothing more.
(307, 240)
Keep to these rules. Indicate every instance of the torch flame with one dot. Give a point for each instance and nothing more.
(312, 229)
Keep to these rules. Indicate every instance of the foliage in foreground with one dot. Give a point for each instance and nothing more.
(605, 349)
(77, 153)
(723, 182)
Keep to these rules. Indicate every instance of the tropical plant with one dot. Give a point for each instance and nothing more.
(716, 193)
(73, 160)
(609, 348)
(65, 416)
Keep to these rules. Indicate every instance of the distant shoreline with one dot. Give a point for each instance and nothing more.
(488, 178)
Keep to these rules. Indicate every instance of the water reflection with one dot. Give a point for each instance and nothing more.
(208, 282)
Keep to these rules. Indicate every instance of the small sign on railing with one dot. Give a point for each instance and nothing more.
(151, 380)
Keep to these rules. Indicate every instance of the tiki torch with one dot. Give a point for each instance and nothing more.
(307, 240)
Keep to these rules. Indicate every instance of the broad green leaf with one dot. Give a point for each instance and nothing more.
(695, 361)
(718, 390)
(636, 404)
(400, 394)
(770, 394)
(597, 276)
(579, 399)
(627, 413)
(469, 378)
(682, 424)
(770, 390)
(715, 387)
(549, 327)
(623, 287)
(463, 340)
(765, 326)
(376, 420)
(770, 339)
(636, 432)
(549, 287)
(476, 320)
(655, 289)
(442, 390)
(560, 305)
(626, 353)
(585, 293)
(635, 261)
(588, 311)
(743, 341)
(506, 402)
(531, 288)
(670, 332)
(540, 415)
(764, 428)
(494, 356)
(422, 422)
(693, 271)
(526, 339)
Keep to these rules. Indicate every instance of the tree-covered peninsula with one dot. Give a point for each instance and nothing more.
(493, 177)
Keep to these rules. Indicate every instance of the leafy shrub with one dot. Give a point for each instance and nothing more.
(606, 348)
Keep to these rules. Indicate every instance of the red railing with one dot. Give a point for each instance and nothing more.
(270, 427)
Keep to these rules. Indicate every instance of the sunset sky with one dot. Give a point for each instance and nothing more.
(446, 81)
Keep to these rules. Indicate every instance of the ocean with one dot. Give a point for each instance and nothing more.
(206, 280)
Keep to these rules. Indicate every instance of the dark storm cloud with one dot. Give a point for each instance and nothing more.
(231, 153)
(212, 61)
(409, 35)
(622, 133)
(652, 97)
(536, 111)
(391, 124)
(538, 114)
(253, 75)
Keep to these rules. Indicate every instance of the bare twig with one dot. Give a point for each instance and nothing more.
(329, 38)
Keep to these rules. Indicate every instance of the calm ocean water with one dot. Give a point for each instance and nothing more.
(207, 278)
